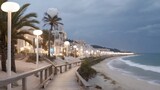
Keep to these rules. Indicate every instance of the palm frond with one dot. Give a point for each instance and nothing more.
(24, 38)
(27, 23)
(23, 32)
(19, 13)
(53, 21)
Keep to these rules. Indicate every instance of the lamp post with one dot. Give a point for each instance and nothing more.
(37, 33)
(9, 7)
(66, 44)
(75, 47)
(51, 12)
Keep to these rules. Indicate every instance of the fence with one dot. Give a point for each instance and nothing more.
(45, 74)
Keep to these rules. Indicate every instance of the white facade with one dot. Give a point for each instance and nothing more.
(25, 46)
(59, 38)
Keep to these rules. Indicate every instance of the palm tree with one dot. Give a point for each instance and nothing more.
(3, 40)
(52, 21)
(46, 39)
(20, 20)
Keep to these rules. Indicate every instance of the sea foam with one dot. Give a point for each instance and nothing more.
(144, 67)
(137, 65)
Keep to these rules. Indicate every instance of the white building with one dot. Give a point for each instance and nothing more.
(23, 46)
(59, 38)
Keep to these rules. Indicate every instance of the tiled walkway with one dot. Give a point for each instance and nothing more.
(65, 81)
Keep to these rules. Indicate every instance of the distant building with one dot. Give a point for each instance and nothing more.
(59, 39)
(23, 46)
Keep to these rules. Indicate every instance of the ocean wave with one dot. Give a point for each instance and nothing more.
(110, 65)
(130, 63)
(144, 67)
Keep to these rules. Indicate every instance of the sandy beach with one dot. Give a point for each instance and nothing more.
(123, 81)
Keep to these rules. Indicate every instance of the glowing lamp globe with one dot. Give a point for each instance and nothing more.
(10, 7)
(52, 12)
(66, 43)
(74, 46)
(37, 32)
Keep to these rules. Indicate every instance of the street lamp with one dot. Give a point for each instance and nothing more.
(37, 33)
(51, 12)
(66, 44)
(75, 47)
(9, 7)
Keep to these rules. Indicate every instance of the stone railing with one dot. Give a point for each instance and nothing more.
(45, 74)
(82, 82)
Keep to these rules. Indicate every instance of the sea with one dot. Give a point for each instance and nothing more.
(142, 66)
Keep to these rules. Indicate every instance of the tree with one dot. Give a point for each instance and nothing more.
(18, 31)
(46, 39)
(52, 21)
(20, 20)
(3, 33)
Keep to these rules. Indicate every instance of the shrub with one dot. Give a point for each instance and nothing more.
(86, 71)
(62, 57)
(52, 58)
(32, 58)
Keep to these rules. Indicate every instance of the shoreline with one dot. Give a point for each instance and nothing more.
(127, 82)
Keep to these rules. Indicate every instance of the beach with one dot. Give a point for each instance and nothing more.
(123, 81)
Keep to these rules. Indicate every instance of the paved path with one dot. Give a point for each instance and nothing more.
(65, 81)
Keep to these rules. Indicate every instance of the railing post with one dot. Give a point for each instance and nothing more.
(50, 70)
(55, 71)
(66, 67)
(45, 73)
(60, 69)
(70, 66)
(24, 84)
(41, 76)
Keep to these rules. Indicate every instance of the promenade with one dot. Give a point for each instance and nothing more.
(64, 81)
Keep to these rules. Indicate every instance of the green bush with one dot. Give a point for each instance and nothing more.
(52, 58)
(32, 58)
(86, 71)
(62, 57)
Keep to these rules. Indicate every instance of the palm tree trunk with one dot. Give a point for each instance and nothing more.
(49, 43)
(4, 53)
(13, 65)
(3, 59)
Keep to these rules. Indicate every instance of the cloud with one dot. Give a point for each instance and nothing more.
(125, 24)
(152, 29)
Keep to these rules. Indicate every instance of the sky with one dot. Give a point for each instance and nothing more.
(132, 25)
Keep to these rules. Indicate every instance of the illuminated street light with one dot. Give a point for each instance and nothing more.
(75, 47)
(37, 33)
(52, 12)
(9, 7)
(66, 44)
